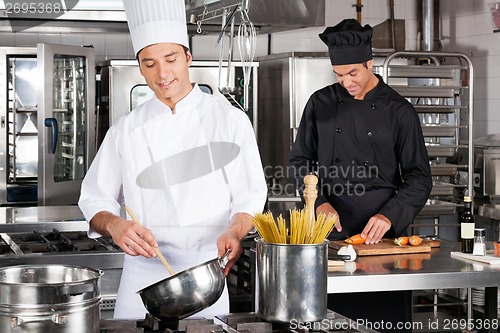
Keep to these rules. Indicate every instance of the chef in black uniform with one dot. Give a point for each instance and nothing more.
(365, 143)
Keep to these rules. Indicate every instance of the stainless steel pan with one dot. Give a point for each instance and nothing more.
(187, 292)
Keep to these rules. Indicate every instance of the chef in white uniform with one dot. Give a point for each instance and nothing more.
(185, 162)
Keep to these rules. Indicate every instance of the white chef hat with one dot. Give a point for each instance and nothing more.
(156, 21)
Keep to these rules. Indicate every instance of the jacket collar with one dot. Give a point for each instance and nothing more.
(191, 99)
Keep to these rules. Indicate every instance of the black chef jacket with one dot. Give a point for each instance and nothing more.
(371, 148)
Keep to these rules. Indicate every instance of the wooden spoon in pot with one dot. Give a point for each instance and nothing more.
(157, 251)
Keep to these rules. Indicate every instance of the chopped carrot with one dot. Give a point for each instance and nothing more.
(402, 240)
(356, 239)
(415, 240)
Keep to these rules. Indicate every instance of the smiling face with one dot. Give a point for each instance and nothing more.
(356, 78)
(165, 67)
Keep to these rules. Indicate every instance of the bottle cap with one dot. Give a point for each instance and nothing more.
(479, 232)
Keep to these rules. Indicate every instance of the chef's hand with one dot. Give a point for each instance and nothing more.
(230, 239)
(327, 209)
(131, 237)
(376, 228)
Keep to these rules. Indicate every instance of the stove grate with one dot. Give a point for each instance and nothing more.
(57, 241)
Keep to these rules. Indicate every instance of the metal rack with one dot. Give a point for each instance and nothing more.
(20, 122)
(440, 86)
(69, 89)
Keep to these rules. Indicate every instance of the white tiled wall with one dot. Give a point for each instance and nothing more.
(465, 27)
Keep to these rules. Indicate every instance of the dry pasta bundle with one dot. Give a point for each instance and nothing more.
(302, 230)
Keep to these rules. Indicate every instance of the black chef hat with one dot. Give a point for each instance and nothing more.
(348, 42)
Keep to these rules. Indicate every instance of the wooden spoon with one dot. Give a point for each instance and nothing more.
(157, 251)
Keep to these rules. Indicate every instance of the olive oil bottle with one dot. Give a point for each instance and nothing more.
(467, 226)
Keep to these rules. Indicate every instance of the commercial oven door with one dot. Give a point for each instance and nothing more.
(126, 88)
(66, 121)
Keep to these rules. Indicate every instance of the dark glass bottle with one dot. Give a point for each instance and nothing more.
(467, 226)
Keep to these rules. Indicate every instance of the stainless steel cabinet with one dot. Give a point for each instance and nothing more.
(286, 81)
(47, 123)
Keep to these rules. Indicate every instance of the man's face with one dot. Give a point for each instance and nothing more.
(165, 68)
(356, 78)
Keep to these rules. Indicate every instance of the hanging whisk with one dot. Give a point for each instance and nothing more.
(246, 46)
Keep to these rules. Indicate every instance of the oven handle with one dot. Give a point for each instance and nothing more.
(52, 123)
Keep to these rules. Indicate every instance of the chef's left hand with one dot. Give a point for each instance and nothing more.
(376, 228)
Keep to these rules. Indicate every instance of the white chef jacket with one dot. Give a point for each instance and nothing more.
(171, 172)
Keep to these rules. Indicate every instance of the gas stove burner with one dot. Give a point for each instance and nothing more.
(56, 241)
(247, 322)
(4, 248)
(152, 325)
(193, 325)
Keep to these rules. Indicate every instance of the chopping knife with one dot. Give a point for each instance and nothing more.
(344, 257)
(344, 233)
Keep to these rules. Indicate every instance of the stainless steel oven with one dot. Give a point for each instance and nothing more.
(46, 123)
(487, 167)
(121, 87)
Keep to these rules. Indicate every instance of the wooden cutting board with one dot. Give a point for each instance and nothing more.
(387, 246)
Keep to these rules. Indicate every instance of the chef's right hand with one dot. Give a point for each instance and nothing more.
(131, 237)
(327, 209)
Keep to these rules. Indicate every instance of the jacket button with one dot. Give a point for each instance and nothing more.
(341, 101)
(338, 130)
(366, 163)
(373, 106)
(369, 133)
(337, 160)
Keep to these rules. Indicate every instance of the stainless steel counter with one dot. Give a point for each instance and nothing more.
(420, 271)
(43, 218)
(434, 270)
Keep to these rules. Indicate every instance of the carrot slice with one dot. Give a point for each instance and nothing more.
(356, 239)
(415, 240)
(402, 240)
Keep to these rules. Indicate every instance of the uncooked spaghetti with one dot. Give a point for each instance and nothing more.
(300, 230)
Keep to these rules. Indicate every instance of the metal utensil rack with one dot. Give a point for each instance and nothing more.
(440, 86)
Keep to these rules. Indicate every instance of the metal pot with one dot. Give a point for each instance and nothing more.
(292, 281)
(187, 292)
(49, 298)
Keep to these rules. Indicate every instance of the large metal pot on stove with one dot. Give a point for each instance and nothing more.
(49, 298)
(188, 292)
(292, 281)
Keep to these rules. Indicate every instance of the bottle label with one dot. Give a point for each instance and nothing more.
(467, 230)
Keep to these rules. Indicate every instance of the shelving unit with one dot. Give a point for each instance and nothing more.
(69, 89)
(440, 86)
(22, 132)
